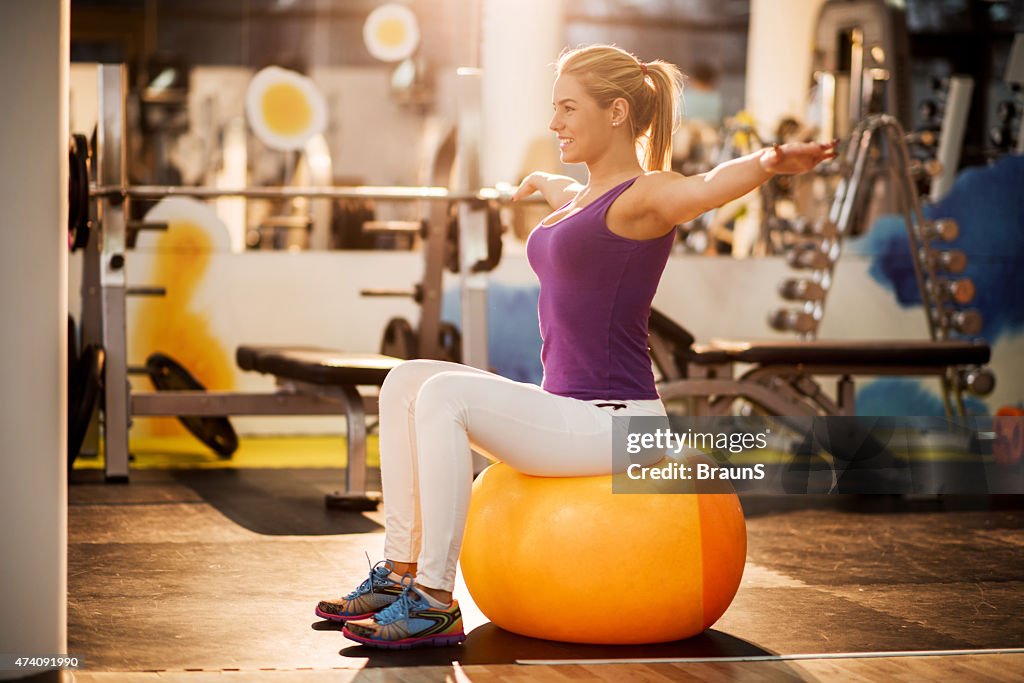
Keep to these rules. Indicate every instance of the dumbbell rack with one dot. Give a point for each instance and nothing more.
(942, 296)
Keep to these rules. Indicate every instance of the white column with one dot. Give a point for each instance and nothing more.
(521, 43)
(779, 59)
(34, 49)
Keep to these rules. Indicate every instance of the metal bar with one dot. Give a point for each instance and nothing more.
(952, 397)
(110, 143)
(799, 388)
(387, 291)
(758, 393)
(857, 75)
(212, 404)
(472, 220)
(846, 395)
(434, 251)
(924, 270)
(400, 227)
(951, 137)
(91, 314)
(854, 369)
(146, 291)
(806, 386)
(143, 225)
(355, 433)
(220, 403)
(857, 151)
(388, 193)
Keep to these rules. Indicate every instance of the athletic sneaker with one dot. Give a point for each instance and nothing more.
(372, 595)
(409, 622)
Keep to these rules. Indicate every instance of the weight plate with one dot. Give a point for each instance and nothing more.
(399, 340)
(78, 192)
(85, 379)
(215, 432)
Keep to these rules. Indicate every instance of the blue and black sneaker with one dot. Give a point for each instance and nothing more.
(372, 595)
(411, 621)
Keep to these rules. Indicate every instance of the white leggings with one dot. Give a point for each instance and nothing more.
(432, 412)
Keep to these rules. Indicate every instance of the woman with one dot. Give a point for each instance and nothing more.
(599, 258)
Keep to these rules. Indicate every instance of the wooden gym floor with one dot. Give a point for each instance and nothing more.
(199, 575)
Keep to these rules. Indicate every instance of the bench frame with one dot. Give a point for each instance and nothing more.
(292, 398)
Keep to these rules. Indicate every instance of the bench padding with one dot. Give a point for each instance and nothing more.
(895, 353)
(313, 365)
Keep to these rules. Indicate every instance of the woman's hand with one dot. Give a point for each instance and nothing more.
(797, 157)
(529, 185)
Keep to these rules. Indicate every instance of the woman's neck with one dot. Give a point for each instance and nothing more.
(609, 172)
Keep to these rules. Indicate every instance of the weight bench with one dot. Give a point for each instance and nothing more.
(782, 377)
(330, 377)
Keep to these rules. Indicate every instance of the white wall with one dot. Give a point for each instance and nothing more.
(521, 43)
(34, 49)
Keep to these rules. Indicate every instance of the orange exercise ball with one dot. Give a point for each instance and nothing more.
(567, 559)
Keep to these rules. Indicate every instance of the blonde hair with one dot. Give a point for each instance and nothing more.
(652, 91)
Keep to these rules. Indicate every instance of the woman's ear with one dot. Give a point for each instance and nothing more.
(620, 111)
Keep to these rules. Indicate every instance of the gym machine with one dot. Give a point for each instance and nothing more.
(310, 381)
(858, 47)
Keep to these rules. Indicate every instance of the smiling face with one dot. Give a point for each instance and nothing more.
(583, 127)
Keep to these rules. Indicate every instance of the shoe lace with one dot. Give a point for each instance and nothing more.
(399, 609)
(376, 578)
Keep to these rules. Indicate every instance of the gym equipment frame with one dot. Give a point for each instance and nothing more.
(310, 381)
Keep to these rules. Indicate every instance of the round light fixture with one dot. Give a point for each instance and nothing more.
(391, 33)
(284, 108)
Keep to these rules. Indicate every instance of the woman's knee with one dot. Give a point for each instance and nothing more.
(406, 378)
(443, 392)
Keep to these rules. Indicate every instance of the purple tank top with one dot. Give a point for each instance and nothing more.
(596, 289)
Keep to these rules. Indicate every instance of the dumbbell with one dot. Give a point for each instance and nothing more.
(979, 381)
(958, 291)
(790, 320)
(800, 289)
(952, 261)
(945, 229)
(810, 256)
(967, 322)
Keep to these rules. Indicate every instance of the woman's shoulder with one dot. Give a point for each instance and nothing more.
(656, 179)
(645, 191)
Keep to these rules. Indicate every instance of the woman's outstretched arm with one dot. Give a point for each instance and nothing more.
(677, 199)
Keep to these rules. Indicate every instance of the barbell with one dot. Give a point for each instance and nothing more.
(383, 192)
